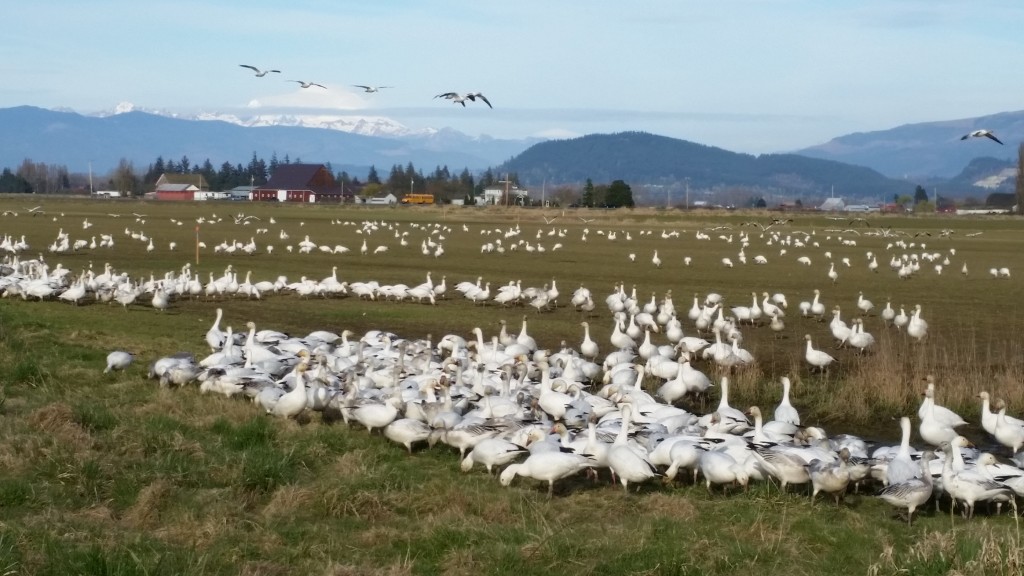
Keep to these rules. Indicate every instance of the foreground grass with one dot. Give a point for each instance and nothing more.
(107, 474)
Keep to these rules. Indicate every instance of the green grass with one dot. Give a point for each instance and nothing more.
(108, 474)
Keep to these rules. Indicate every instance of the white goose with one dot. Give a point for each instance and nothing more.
(817, 358)
(547, 467)
(830, 477)
(988, 417)
(785, 412)
(292, 403)
(1009, 434)
(492, 452)
(625, 461)
(912, 493)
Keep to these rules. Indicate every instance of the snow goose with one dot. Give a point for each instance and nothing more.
(626, 461)
(932, 430)
(304, 84)
(588, 348)
(942, 414)
(547, 467)
(817, 358)
(457, 98)
(981, 134)
(407, 431)
(988, 417)
(912, 493)
(900, 467)
(492, 452)
(785, 412)
(1009, 434)
(830, 477)
(719, 467)
(292, 403)
(118, 360)
(967, 486)
(732, 420)
(786, 467)
(259, 73)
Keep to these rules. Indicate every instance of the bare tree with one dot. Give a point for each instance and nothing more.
(124, 178)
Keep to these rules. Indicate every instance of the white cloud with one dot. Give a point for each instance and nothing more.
(314, 97)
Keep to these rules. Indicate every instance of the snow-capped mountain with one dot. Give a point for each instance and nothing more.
(129, 133)
(352, 123)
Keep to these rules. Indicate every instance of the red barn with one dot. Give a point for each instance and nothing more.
(300, 183)
(179, 192)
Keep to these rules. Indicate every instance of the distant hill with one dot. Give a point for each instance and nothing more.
(980, 178)
(925, 150)
(641, 158)
(74, 140)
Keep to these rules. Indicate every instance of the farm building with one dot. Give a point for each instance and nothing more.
(178, 192)
(300, 183)
(496, 195)
(196, 180)
(384, 199)
(832, 204)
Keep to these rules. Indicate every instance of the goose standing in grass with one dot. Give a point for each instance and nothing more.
(407, 432)
(864, 304)
(917, 327)
(989, 418)
(492, 452)
(967, 486)
(292, 403)
(785, 412)
(912, 493)
(547, 467)
(817, 358)
(626, 461)
(719, 467)
(941, 413)
(118, 360)
(1008, 433)
(830, 477)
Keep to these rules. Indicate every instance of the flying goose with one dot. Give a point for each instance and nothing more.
(461, 98)
(980, 134)
(308, 84)
(259, 73)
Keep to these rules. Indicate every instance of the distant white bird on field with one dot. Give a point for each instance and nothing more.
(461, 98)
(118, 360)
(980, 134)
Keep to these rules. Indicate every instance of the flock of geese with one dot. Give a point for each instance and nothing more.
(456, 97)
(509, 405)
(518, 410)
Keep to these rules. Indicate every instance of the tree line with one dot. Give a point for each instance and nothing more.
(445, 184)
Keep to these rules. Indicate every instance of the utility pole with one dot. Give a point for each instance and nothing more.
(687, 194)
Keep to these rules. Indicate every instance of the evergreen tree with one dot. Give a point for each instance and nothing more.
(372, 177)
(920, 194)
(588, 194)
(619, 195)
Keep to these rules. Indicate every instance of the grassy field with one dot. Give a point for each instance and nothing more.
(108, 474)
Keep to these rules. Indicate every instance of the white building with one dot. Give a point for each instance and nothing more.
(516, 195)
(832, 204)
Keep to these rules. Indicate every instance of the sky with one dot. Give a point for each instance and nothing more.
(751, 76)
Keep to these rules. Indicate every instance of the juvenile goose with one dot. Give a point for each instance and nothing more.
(912, 493)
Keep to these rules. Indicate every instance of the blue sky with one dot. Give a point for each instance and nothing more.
(747, 75)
